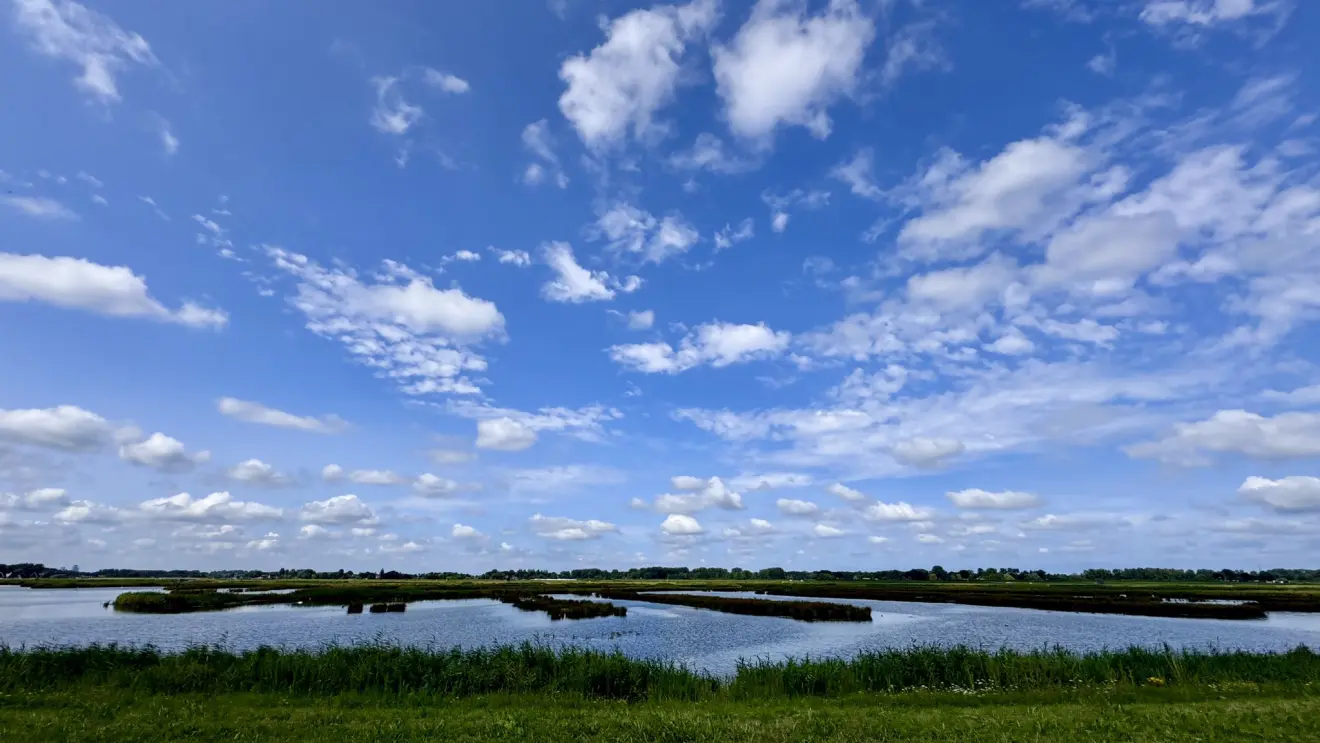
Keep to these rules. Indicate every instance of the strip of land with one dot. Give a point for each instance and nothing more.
(1205, 601)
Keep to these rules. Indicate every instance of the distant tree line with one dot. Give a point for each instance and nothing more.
(936, 573)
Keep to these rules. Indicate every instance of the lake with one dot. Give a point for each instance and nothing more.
(706, 640)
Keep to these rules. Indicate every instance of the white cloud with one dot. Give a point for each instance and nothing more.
(1103, 64)
(1076, 522)
(927, 453)
(393, 114)
(168, 141)
(400, 325)
(857, 174)
(583, 423)
(160, 452)
(794, 507)
(698, 495)
(912, 47)
(445, 81)
(462, 531)
(1295, 493)
(1011, 343)
(577, 284)
(504, 434)
(629, 229)
(519, 258)
(1285, 436)
(536, 139)
(315, 531)
(1206, 13)
(779, 221)
(708, 153)
(216, 508)
(34, 500)
(727, 237)
(65, 427)
(625, 81)
(718, 344)
(39, 207)
(255, 412)
(332, 473)
(66, 30)
(86, 512)
(341, 509)
(786, 67)
(428, 485)
(76, 283)
(771, 481)
(641, 320)
(846, 493)
(679, 525)
(825, 531)
(376, 477)
(89, 179)
(900, 511)
(257, 472)
(565, 529)
(1006, 500)
(450, 456)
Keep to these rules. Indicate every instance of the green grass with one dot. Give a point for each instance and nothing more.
(391, 670)
(102, 715)
(535, 693)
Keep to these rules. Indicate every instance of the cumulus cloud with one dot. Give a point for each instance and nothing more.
(504, 434)
(79, 284)
(620, 85)
(217, 508)
(87, 512)
(161, 452)
(786, 66)
(793, 507)
(565, 529)
(576, 284)
(846, 493)
(1296, 493)
(718, 344)
(463, 531)
(66, 427)
(698, 495)
(399, 324)
(257, 472)
(341, 509)
(729, 236)
(1005, 500)
(901, 511)
(628, 229)
(255, 412)
(34, 500)
(1284, 436)
(428, 485)
(679, 525)
(927, 453)
(825, 531)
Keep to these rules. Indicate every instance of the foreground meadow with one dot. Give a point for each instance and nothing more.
(537, 693)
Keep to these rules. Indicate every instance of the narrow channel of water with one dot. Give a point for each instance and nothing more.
(704, 639)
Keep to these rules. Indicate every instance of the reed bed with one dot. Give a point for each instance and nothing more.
(565, 608)
(391, 670)
(806, 611)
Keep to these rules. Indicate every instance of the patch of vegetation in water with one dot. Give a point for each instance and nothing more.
(565, 608)
(806, 611)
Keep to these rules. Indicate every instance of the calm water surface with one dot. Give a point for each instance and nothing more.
(704, 639)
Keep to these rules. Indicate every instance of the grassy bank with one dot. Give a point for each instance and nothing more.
(101, 715)
(393, 671)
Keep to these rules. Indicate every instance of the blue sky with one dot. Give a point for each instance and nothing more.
(819, 284)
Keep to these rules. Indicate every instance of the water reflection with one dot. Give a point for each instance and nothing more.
(704, 639)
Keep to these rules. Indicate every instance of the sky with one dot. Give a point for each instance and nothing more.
(818, 284)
